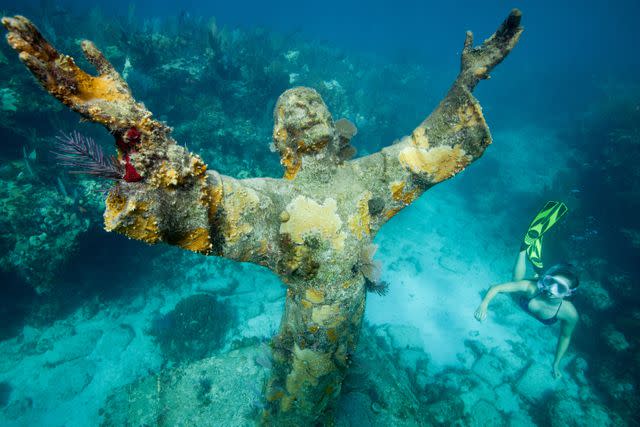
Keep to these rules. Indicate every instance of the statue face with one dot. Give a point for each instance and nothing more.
(303, 126)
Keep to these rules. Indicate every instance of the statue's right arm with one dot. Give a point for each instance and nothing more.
(173, 198)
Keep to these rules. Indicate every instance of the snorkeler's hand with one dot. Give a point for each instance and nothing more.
(481, 312)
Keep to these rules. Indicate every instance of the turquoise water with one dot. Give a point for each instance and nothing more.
(92, 321)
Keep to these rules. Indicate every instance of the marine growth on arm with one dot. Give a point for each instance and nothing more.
(450, 138)
(167, 194)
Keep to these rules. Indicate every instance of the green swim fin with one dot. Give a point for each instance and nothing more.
(534, 253)
(543, 221)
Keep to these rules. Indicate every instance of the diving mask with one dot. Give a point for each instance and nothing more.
(555, 286)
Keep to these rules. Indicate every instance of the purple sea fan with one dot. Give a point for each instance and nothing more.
(83, 156)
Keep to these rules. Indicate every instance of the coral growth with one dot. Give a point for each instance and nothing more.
(83, 156)
(371, 270)
(127, 143)
(306, 217)
(194, 329)
(40, 227)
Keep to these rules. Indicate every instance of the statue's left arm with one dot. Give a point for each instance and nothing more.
(454, 135)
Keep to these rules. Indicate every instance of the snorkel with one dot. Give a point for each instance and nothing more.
(559, 281)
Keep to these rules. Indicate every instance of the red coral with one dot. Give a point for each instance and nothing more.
(127, 143)
(130, 173)
(132, 136)
(129, 140)
(121, 144)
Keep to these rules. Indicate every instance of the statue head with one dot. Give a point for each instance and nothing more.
(303, 130)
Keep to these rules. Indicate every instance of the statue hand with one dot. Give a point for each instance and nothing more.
(105, 98)
(478, 61)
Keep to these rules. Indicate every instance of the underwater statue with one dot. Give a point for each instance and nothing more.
(313, 227)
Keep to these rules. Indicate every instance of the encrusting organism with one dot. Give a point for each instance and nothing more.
(309, 227)
(371, 270)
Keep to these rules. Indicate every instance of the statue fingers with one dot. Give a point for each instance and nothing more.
(23, 36)
(98, 60)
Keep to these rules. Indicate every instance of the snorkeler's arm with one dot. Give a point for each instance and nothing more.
(569, 319)
(509, 287)
(173, 197)
(520, 267)
(453, 136)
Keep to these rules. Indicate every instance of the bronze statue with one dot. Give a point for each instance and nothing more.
(313, 228)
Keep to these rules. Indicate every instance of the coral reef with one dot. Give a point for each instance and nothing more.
(376, 390)
(36, 249)
(193, 329)
(308, 227)
(606, 153)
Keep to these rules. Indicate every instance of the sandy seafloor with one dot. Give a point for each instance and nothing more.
(438, 256)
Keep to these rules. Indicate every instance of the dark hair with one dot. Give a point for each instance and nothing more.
(565, 270)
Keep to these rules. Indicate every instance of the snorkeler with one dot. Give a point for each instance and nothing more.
(544, 296)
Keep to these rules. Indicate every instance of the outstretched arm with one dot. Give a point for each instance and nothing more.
(167, 194)
(454, 135)
(104, 99)
(509, 287)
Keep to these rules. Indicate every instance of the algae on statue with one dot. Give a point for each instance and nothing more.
(311, 227)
